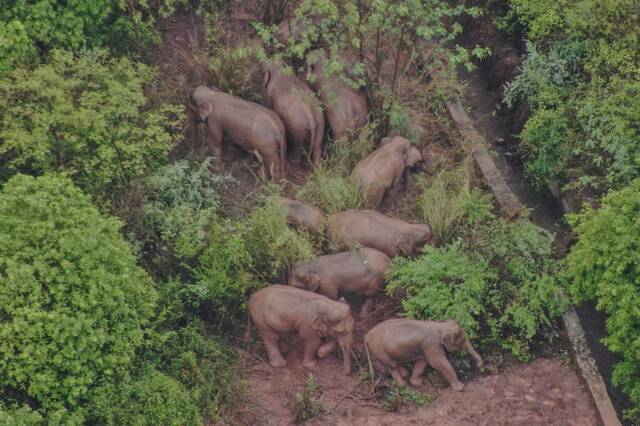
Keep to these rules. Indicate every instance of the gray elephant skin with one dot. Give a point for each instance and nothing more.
(279, 309)
(299, 109)
(360, 271)
(403, 340)
(302, 215)
(254, 128)
(384, 169)
(344, 106)
(369, 228)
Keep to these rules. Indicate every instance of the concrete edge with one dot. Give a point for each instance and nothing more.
(512, 206)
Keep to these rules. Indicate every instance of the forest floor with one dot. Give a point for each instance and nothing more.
(547, 391)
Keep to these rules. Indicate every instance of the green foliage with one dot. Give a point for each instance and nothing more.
(581, 79)
(343, 154)
(86, 116)
(152, 398)
(182, 201)
(497, 283)
(19, 416)
(307, 405)
(204, 365)
(221, 279)
(15, 46)
(272, 244)
(73, 302)
(397, 396)
(443, 283)
(330, 190)
(603, 265)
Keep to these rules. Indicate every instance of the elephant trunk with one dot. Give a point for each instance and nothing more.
(346, 344)
(471, 351)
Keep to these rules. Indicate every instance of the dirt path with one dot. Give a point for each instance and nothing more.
(545, 392)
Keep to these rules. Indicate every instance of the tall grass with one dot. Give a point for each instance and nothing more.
(440, 201)
(330, 190)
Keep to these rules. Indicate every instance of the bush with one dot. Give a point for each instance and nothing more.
(307, 405)
(182, 201)
(151, 399)
(272, 244)
(497, 283)
(204, 365)
(603, 265)
(86, 116)
(73, 303)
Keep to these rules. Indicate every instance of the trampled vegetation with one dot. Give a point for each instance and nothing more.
(126, 263)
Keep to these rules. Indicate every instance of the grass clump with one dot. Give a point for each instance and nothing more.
(330, 190)
(397, 395)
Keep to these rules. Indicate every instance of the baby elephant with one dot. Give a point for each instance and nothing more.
(361, 271)
(302, 215)
(369, 228)
(402, 340)
(279, 309)
(384, 169)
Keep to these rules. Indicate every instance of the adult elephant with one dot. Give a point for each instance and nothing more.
(302, 215)
(299, 109)
(384, 169)
(280, 309)
(344, 106)
(254, 128)
(358, 271)
(395, 341)
(369, 228)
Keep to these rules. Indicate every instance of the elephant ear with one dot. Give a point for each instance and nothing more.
(339, 327)
(385, 140)
(204, 110)
(447, 338)
(314, 282)
(319, 324)
(266, 79)
(405, 247)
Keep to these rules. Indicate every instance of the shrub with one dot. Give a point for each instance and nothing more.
(86, 116)
(73, 302)
(182, 201)
(272, 244)
(603, 265)
(443, 283)
(343, 154)
(330, 190)
(153, 398)
(204, 365)
(15, 46)
(396, 396)
(307, 405)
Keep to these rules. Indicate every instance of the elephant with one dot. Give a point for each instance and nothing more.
(344, 106)
(358, 271)
(384, 169)
(369, 228)
(298, 107)
(403, 340)
(254, 128)
(302, 215)
(278, 309)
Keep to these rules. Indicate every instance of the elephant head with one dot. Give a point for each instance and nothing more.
(302, 277)
(336, 322)
(453, 338)
(411, 156)
(421, 234)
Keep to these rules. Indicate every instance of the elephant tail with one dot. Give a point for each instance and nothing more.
(247, 334)
(371, 371)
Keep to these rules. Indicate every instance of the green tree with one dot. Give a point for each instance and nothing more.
(604, 265)
(86, 116)
(73, 303)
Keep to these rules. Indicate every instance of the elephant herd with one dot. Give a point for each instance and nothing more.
(362, 242)
(311, 304)
(293, 123)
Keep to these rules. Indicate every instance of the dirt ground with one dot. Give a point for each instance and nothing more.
(545, 392)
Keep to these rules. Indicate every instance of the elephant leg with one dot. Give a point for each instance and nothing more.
(311, 345)
(216, 137)
(284, 348)
(327, 348)
(377, 196)
(438, 360)
(366, 307)
(418, 369)
(395, 369)
(270, 340)
(329, 290)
